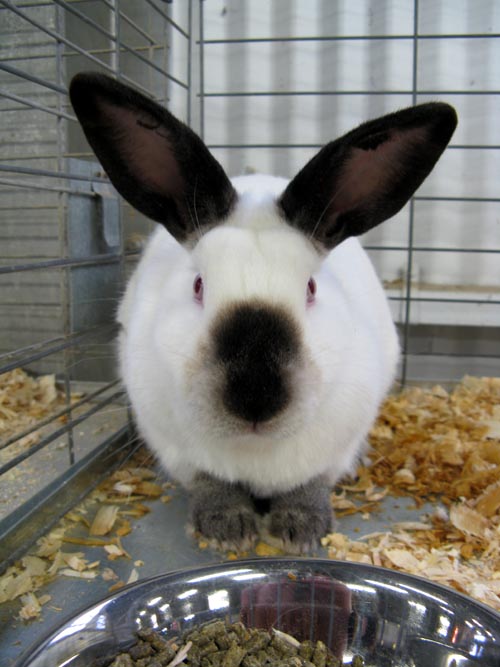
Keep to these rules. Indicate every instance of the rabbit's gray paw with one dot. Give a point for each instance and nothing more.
(223, 513)
(301, 517)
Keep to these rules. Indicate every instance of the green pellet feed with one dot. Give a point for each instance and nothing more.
(222, 644)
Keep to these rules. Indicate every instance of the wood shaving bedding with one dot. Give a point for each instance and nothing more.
(429, 441)
(433, 445)
(93, 523)
(427, 444)
(28, 411)
(25, 400)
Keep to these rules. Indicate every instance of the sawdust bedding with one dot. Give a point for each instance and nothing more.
(24, 401)
(445, 447)
(428, 444)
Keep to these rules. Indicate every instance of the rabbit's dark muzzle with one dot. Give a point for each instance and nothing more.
(257, 346)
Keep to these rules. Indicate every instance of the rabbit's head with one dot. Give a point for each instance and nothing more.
(249, 292)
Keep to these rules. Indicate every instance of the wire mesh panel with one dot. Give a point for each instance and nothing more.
(283, 78)
(266, 84)
(67, 245)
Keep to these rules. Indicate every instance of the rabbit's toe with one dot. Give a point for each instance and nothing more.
(234, 528)
(223, 513)
(301, 517)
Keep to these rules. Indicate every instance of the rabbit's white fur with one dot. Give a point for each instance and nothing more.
(350, 343)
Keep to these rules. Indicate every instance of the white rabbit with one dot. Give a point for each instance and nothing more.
(257, 342)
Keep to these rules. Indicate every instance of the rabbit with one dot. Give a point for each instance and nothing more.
(256, 340)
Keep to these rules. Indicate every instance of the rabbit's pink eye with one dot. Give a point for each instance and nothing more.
(198, 288)
(311, 290)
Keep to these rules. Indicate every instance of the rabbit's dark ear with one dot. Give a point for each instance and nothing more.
(158, 164)
(366, 176)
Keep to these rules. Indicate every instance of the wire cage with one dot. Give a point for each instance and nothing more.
(65, 252)
(265, 84)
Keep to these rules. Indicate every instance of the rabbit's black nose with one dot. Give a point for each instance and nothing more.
(257, 347)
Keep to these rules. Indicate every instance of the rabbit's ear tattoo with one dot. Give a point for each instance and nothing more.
(158, 164)
(366, 176)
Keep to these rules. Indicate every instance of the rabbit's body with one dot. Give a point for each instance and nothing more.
(349, 340)
(257, 343)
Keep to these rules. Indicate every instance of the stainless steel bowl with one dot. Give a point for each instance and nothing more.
(388, 618)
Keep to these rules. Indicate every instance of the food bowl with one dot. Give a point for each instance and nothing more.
(387, 618)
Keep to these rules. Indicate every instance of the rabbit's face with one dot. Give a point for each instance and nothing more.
(252, 361)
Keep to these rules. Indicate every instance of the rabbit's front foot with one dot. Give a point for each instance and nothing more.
(302, 516)
(223, 512)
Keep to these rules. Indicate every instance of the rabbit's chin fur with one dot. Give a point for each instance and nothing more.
(349, 348)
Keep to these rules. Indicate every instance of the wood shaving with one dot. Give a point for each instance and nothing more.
(469, 522)
(133, 577)
(180, 655)
(52, 558)
(115, 587)
(32, 605)
(434, 553)
(488, 502)
(75, 561)
(149, 489)
(443, 439)
(438, 446)
(109, 575)
(104, 520)
(286, 637)
(124, 528)
(24, 400)
(35, 565)
(113, 551)
(265, 549)
(68, 572)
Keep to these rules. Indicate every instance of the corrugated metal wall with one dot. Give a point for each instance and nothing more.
(42, 44)
(30, 217)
